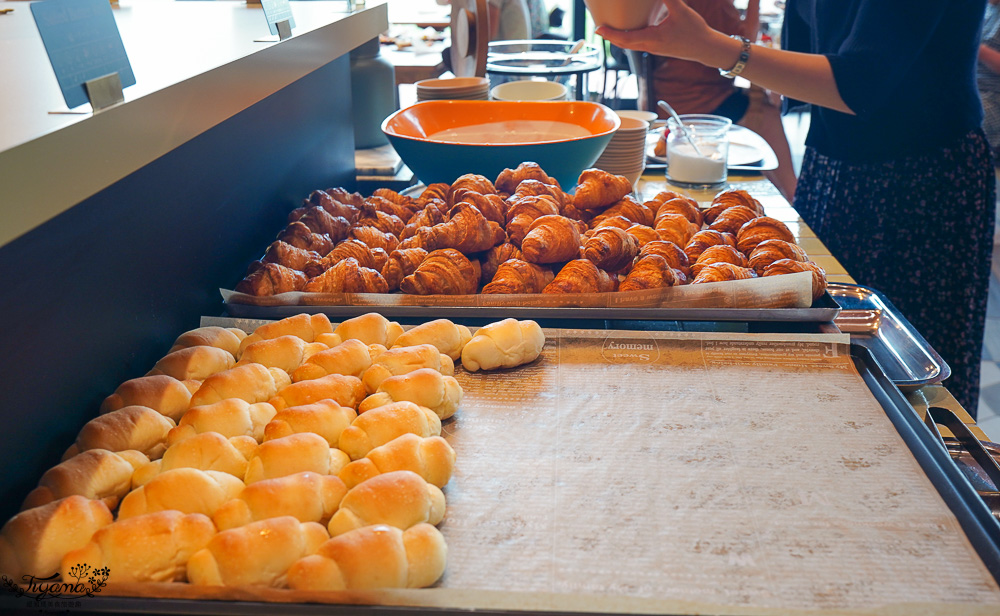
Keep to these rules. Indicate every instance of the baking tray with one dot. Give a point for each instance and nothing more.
(874, 323)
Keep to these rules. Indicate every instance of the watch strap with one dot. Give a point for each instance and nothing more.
(741, 62)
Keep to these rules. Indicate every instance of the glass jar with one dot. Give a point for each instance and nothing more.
(697, 152)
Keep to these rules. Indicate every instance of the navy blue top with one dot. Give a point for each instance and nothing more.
(907, 68)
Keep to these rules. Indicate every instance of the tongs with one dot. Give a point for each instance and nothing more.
(965, 439)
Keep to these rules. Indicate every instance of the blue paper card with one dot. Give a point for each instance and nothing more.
(83, 43)
(275, 11)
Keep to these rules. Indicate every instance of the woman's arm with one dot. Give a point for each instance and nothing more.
(990, 57)
(684, 34)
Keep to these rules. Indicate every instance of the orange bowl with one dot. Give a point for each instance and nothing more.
(442, 140)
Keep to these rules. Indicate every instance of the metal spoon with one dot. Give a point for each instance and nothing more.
(664, 106)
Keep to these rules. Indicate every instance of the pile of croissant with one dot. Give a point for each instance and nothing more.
(522, 234)
(304, 455)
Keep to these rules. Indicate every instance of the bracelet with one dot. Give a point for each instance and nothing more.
(741, 62)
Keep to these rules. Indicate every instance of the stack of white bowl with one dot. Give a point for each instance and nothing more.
(456, 88)
(530, 90)
(626, 152)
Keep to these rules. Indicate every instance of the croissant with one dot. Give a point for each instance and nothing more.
(597, 189)
(375, 238)
(517, 276)
(569, 210)
(683, 206)
(299, 235)
(372, 258)
(611, 248)
(789, 266)
(732, 198)
(509, 179)
(402, 263)
(391, 202)
(731, 219)
(769, 251)
(470, 181)
(720, 253)
(443, 272)
(675, 228)
(551, 239)
(386, 222)
(535, 188)
(321, 221)
(492, 207)
(497, 255)
(759, 229)
(649, 272)
(348, 198)
(272, 279)
(335, 207)
(718, 272)
(524, 211)
(582, 276)
(611, 221)
(705, 239)
(285, 254)
(629, 209)
(438, 190)
(643, 234)
(466, 231)
(348, 276)
(427, 217)
(674, 254)
(414, 241)
(664, 196)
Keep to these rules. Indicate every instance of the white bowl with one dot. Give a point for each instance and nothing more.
(622, 15)
(648, 116)
(528, 90)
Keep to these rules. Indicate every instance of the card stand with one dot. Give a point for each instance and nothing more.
(284, 29)
(104, 92)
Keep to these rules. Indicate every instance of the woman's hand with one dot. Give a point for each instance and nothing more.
(682, 34)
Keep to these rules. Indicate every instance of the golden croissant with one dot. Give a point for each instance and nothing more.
(324, 200)
(769, 251)
(517, 276)
(271, 279)
(759, 229)
(675, 256)
(443, 272)
(348, 276)
(705, 239)
(492, 207)
(402, 263)
(373, 258)
(680, 205)
(438, 190)
(675, 228)
(643, 234)
(720, 253)
(551, 239)
(732, 198)
(285, 254)
(470, 181)
(582, 276)
(375, 238)
(466, 231)
(381, 220)
(497, 255)
(535, 188)
(630, 209)
(719, 272)
(598, 189)
(320, 221)
(650, 272)
(789, 266)
(731, 219)
(301, 236)
(611, 248)
(509, 179)
(525, 211)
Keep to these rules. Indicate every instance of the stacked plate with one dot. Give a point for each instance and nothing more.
(456, 88)
(626, 152)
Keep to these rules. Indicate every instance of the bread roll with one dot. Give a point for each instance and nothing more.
(185, 489)
(251, 382)
(97, 474)
(426, 387)
(230, 417)
(401, 360)
(370, 328)
(344, 390)
(149, 548)
(226, 338)
(133, 427)
(295, 454)
(195, 363)
(208, 451)
(448, 337)
(503, 344)
(351, 358)
(285, 352)
(377, 556)
(399, 498)
(34, 541)
(380, 425)
(162, 393)
(305, 326)
(306, 496)
(325, 418)
(258, 554)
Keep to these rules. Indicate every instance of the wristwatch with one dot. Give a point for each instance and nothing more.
(741, 62)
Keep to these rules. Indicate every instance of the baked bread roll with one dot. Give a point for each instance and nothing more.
(290, 256)
(769, 251)
(517, 276)
(581, 276)
(372, 258)
(790, 266)
(187, 490)
(705, 239)
(133, 427)
(348, 276)
(447, 337)
(401, 499)
(225, 338)
(34, 541)
(432, 458)
(299, 235)
(551, 239)
(251, 383)
(498, 255)
(720, 272)
(162, 393)
(675, 228)
(425, 387)
(400, 360)
(598, 189)
(351, 357)
(731, 219)
(504, 344)
(382, 424)
(370, 328)
(149, 548)
(375, 238)
(271, 279)
(402, 263)
(643, 234)
(97, 474)
(760, 229)
(720, 253)
(305, 326)
(325, 418)
(610, 248)
(258, 554)
(296, 453)
(509, 179)
(230, 417)
(343, 389)
(467, 231)
(674, 254)
(443, 272)
(649, 272)
(284, 352)
(307, 497)
(194, 363)
(208, 451)
(376, 556)
(524, 211)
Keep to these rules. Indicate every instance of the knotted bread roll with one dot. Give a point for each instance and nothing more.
(432, 458)
(307, 496)
(250, 382)
(400, 360)
(351, 358)
(162, 393)
(194, 363)
(305, 326)
(227, 338)
(426, 387)
(295, 454)
(208, 451)
(401, 499)
(96, 474)
(504, 344)
(188, 490)
(448, 337)
(230, 417)
(325, 418)
(285, 352)
(132, 427)
(345, 390)
(370, 328)
(380, 425)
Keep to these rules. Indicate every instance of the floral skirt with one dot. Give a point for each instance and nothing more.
(920, 230)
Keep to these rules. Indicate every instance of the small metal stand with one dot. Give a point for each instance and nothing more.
(104, 92)
(284, 29)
